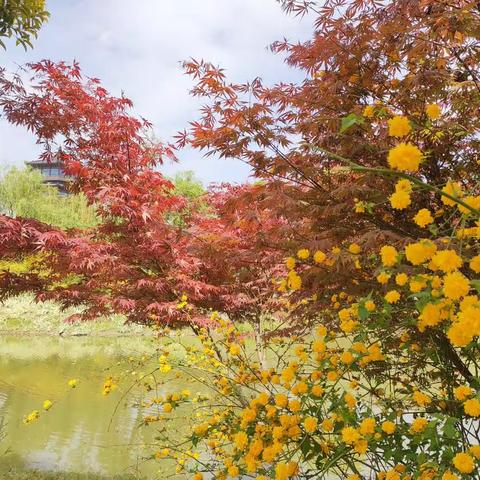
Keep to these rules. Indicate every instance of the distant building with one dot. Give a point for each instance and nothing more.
(52, 173)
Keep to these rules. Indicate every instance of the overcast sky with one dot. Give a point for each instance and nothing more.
(136, 46)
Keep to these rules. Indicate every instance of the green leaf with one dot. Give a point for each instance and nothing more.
(476, 285)
(351, 120)
(363, 313)
(450, 428)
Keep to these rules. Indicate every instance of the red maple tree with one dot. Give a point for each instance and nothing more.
(136, 261)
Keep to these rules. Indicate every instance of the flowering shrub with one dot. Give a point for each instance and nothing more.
(389, 390)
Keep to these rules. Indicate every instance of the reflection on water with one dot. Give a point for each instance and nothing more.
(79, 433)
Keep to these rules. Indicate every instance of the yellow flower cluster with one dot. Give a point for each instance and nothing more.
(405, 157)
(399, 126)
(400, 199)
(108, 386)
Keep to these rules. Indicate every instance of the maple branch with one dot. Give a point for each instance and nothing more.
(388, 172)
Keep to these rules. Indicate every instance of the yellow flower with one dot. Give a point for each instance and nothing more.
(290, 263)
(401, 279)
(249, 415)
(405, 157)
(319, 257)
(47, 405)
(463, 462)
(234, 349)
(454, 189)
(303, 254)
(447, 261)
(72, 383)
(367, 427)
(321, 331)
(421, 399)
(448, 475)
(430, 317)
(350, 401)
(392, 475)
(433, 111)
(198, 476)
(350, 435)
(383, 278)
(389, 255)
(472, 407)
(327, 425)
(317, 391)
(388, 427)
(165, 368)
(359, 206)
(399, 126)
(281, 400)
(310, 424)
(167, 407)
(393, 296)
(471, 201)
(423, 218)
(361, 446)
(475, 451)
(404, 185)
(294, 405)
(300, 388)
(241, 440)
(281, 471)
(318, 346)
(462, 392)
(400, 200)
(294, 281)
(32, 416)
(233, 471)
(419, 252)
(200, 429)
(368, 111)
(370, 306)
(455, 285)
(347, 358)
(347, 327)
(459, 335)
(332, 376)
(475, 264)
(419, 425)
(354, 248)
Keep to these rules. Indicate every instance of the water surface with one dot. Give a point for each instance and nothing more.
(80, 433)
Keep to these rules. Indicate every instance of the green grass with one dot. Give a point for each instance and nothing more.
(36, 475)
(21, 315)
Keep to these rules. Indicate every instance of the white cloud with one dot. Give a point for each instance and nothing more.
(137, 47)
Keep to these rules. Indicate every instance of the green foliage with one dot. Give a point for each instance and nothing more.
(191, 188)
(21, 19)
(187, 185)
(350, 121)
(23, 194)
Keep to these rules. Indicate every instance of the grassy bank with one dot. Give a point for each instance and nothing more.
(36, 475)
(23, 316)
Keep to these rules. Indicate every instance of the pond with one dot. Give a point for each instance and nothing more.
(84, 431)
